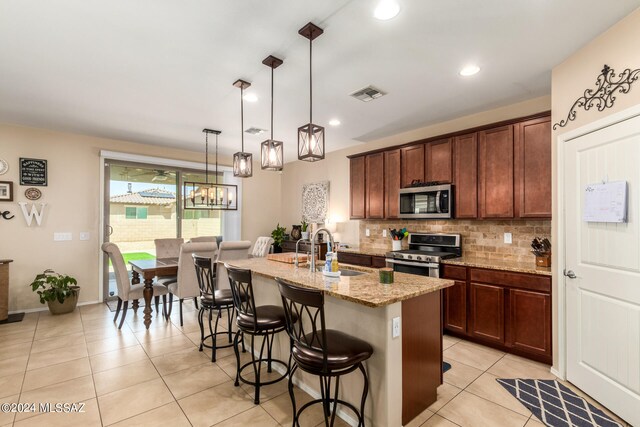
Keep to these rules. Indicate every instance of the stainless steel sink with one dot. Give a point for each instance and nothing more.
(351, 272)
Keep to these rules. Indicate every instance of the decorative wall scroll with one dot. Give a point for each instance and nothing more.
(33, 172)
(603, 96)
(315, 201)
(6, 191)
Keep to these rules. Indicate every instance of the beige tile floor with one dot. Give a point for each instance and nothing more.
(135, 377)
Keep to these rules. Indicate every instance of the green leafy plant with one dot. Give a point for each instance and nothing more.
(51, 286)
(304, 225)
(278, 235)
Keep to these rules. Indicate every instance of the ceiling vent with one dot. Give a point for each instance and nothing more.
(367, 94)
(255, 131)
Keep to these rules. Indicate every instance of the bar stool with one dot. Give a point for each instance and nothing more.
(212, 299)
(323, 352)
(265, 321)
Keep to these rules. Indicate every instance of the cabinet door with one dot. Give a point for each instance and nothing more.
(391, 183)
(374, 182)
(357, 187)
(412, 164)
(533, 168)
(465, 178)
(487, 312)
(438, 162)
(455, 307)
(496, 151)
(529, 324)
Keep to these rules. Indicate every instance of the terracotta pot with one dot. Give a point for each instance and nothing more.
(67, 306)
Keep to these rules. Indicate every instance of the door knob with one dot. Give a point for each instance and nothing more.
(570, 274)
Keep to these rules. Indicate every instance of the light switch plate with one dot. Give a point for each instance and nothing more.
(395, 328)
(61, 237)
(85, 235)
(384, 233)
(367, 232)
(508, 239)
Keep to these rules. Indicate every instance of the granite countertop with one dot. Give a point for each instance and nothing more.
(496, 264)
(364, 289)
(372, 252)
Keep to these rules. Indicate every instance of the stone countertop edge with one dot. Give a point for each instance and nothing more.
(503, 265)
(364, 289)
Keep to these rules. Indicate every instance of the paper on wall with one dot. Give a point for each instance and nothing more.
(605, 202)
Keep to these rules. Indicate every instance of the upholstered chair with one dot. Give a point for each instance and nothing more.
(230, 251)
(217, 239)
(127, 291)
(262, 247)
(167, 248)
(186, 285)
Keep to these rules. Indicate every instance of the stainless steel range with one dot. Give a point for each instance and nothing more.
(425, 253)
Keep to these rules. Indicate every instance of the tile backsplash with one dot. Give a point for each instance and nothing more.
(483, 238)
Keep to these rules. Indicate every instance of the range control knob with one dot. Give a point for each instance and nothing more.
(418, 258)
(409, 256)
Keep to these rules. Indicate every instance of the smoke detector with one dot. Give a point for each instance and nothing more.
(367, 94)
(255, 131)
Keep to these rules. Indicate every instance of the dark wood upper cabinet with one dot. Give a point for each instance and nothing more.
(533, 169)
(391, 183)
(487, 312)
(374, 182)
(357, 187)
(495, 173)
(465, 175)
(438, 161)
(412, 164)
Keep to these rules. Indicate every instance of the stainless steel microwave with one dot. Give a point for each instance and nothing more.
(428, 202)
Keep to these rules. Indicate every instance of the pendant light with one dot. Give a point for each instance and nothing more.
(206, 195)
(271, 150)
(242, 162)
(310, 136)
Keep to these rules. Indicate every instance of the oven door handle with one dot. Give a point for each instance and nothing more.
(413, 264)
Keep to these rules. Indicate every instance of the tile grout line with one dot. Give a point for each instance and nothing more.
(93, 378)
(24, 374)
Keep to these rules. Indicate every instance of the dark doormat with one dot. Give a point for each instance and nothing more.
(445, 367)
(13, 318)
(555, 404)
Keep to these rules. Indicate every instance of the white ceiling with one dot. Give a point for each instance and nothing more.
(158, 71)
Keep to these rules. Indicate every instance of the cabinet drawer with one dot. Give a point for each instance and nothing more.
(506, 278)
(378, 262)
(454, 272)
(354, 259)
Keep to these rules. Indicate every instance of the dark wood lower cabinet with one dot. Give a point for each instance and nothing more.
(363, 260)
(506, 310)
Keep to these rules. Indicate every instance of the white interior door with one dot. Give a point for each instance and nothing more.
(603, 300)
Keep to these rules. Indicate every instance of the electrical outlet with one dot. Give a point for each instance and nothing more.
(384, 232)
(395, 328)
(508, 238)
(61, 237)
(85, 235)
(367, 232)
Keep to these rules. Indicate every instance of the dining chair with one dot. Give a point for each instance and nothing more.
(230, 250)
(167, 248)
(186, 284)
(217, 239)
(127, 291)
(262, 247)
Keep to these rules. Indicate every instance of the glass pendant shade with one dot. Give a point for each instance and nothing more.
(243, 164)
(209, 195)
(310, 142)
(271, 154)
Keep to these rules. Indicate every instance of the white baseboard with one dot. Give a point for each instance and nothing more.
(555, 372)
(45, 308)
(346, 416)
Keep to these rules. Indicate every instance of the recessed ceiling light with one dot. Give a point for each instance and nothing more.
(334, 122)
(251, 97)
(469, 70)
(386, 9)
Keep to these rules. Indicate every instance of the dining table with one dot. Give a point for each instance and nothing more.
(146, 270)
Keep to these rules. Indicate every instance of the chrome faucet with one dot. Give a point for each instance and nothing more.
(297, 243)
(313, 246)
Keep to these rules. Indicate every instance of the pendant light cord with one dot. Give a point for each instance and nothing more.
(272, 102)
(310, 81)
(206, 156)
(216, 159)
(242, 115)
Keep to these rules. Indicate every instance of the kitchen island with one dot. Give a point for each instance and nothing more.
(404, 371)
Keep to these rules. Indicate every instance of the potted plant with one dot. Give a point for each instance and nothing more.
(278, 237)
(305, 233)
(59, 291)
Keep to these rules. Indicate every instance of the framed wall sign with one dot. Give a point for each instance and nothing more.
(33, 172)
(6, 191)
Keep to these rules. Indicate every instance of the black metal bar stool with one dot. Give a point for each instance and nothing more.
(265, 321)
(212, 299)
(327, 353)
